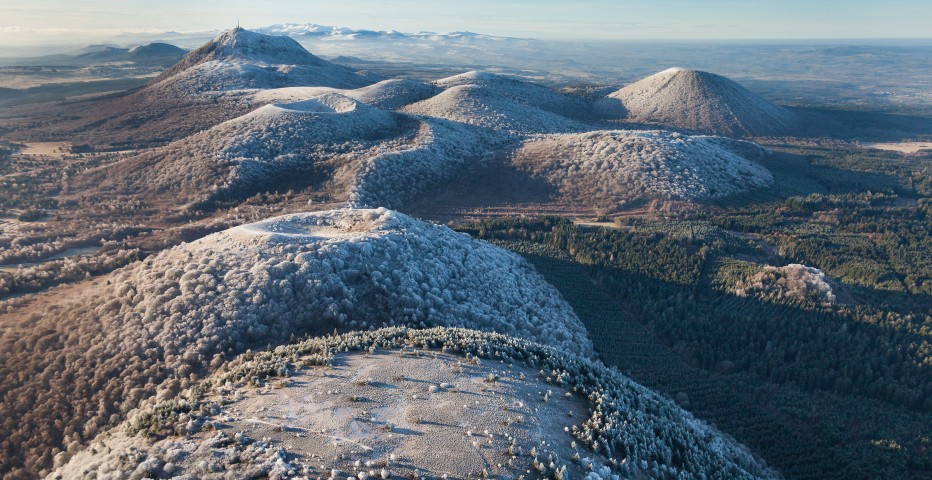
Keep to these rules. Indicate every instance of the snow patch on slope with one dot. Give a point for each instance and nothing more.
(612, 167)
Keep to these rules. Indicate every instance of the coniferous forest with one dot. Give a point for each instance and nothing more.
(823, 368)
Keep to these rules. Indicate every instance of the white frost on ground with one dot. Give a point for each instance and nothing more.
(356, 269)
(699, 101)
(794, 282)
(501, 103)
(154, 326)
(391, 94)
(390, 403)
(612, 167)
(398, 413)
(395, 93)
(369, 156)
(390, 178)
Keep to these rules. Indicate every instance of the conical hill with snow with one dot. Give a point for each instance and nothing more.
(697, 100)
(240, 59)
(607, 169)
(503, 104)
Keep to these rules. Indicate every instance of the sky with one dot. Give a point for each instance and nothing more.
(47, 21)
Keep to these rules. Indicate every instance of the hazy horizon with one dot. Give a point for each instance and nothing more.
(70, 44)
(56, 22)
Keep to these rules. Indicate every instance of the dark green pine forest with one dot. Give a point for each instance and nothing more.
(695, 305)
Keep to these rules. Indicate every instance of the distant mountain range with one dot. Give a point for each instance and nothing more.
(312, 30)
(157, 54)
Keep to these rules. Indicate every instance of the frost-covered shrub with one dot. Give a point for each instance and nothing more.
(794, 282)
(36, 277)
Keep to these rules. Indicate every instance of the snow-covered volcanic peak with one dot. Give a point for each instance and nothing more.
(440, 150)
(328, 103)
(501, 103)
(611, 167)
(241, 44)
(391, 94)
(697, 100)
(271, 133)
(240, 59)
(386, 404)
(356, 268)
